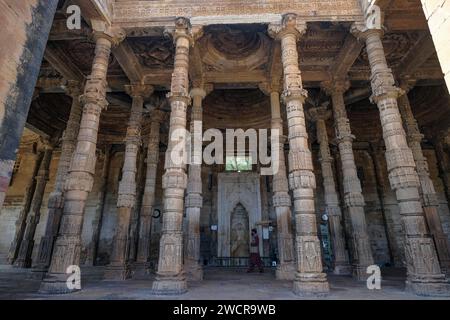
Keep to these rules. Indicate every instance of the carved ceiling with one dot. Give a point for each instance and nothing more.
(236, 58)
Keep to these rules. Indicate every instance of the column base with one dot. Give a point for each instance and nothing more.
(141, 270)
(285, 271)
(169, 286)
(193, 270)
(430, 288)
(360, 273)
(311, 285)
(342, 270)
(117, 272)
(55, 283)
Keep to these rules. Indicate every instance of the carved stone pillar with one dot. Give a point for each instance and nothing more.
(424, 273)
(80, 179)
(390, 207)
(28, 196)
(443, 163)
(427, 191)
(194, 199)
(148, 201)
(118, 267)
(353, 197)
(56, 198)
(281, 199)
(170, 276)
(309, 279)
(333, 210)
(26, 247)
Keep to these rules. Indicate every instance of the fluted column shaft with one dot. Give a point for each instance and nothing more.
(194, 199)
(282, 200)
(119, 268)
(427, 191)
(353, 197)
(170, 276)
(333, 210)
(56, 198)
(80, 179)
(26, 247)
(148, 201)
(424, 273)
(309, 279)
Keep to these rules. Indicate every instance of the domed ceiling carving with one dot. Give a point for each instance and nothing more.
(232, 47)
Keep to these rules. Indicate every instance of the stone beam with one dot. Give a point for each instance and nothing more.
(128, 61)
(59, 60)
(417, 55)
(94, 9)
(346, 57)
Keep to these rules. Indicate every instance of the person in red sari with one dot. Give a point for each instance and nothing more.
(255, 258)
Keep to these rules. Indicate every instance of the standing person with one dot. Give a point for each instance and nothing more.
(255, 258)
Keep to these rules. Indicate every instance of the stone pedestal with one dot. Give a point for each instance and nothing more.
(170, 277)
(353, 197)
(424, 273)
(56, 198)
(119, 268)
(67, 248)
(341, 264)
(309, 279)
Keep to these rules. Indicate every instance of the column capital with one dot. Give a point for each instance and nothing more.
(406, 83)
(269, 87)
(182, 28)
(319, 113)
(157, 116)
(335, 86)
(73, 88)
(101, 30)
(139, 90)
(289, 24)
(201, 91)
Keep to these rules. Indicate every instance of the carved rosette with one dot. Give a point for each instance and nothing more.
(424, 273)
(341, 263)
(80, 179)
(309, 279)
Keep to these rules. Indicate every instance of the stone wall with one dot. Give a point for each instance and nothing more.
(437, 12)
(25, 27)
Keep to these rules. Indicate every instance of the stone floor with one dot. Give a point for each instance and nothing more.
(219, 284)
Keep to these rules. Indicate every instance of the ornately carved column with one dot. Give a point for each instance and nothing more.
(118, 267)
(424, 273)
(170, 276)
(26, 247)
(194, 199)
(427, 191)
(341, 262)
(353, 197)
(56, 198)
(80, 179)
(309, 279)
(148, 201)
(281, 199)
